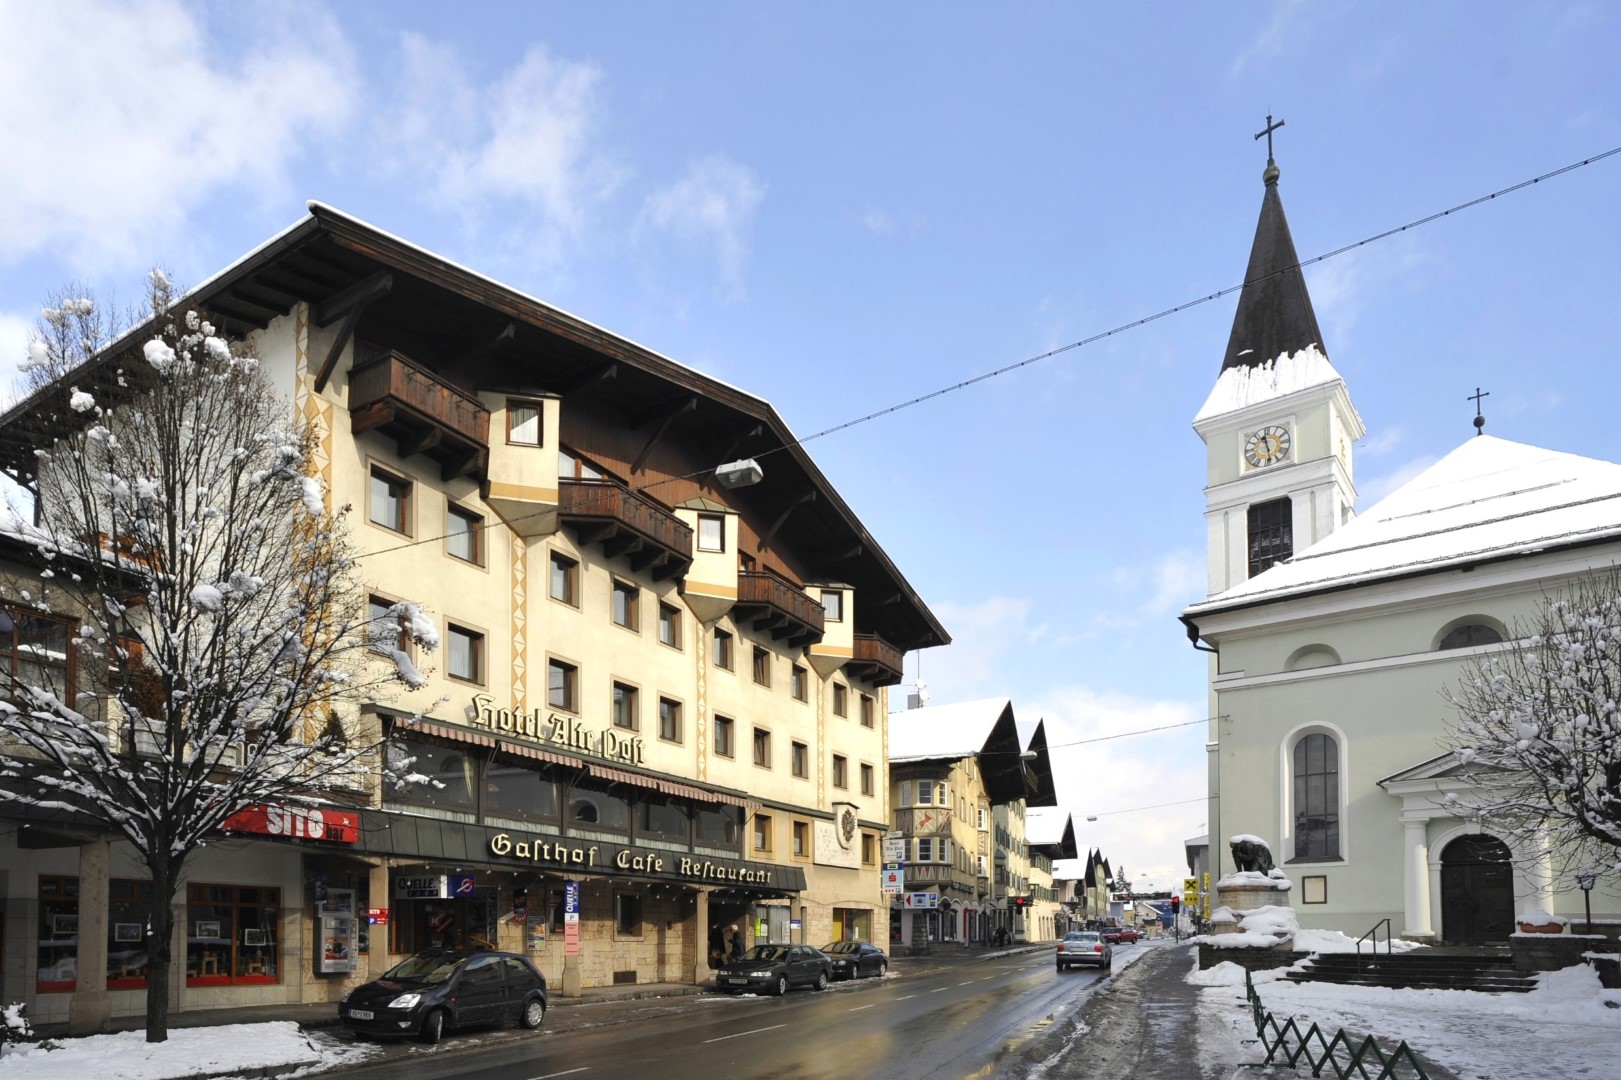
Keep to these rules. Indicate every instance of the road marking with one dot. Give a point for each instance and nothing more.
(740, 1034)
(970, 982)
(987, 978)
(858, 1008)
(936, 991)
(565, 1072)
(908, 997)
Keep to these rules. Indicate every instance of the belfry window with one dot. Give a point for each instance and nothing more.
(1271, 533)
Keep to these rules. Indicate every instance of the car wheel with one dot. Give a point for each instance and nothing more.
(433, 1027)
(534, 1011)
(782, 985)
(821, 980)
(882, 967)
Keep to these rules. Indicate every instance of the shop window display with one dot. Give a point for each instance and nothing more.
(231, 933)
(58, 935)
(129, 922)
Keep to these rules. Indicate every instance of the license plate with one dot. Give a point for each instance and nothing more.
(735, 979)
(360, 1014)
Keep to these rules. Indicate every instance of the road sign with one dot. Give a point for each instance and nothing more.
(894, 851)
(923, 900)
(894, 881)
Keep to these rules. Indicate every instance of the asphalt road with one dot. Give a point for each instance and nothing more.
(973, 1018)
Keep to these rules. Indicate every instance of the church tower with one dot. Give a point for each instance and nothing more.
(1279, 425)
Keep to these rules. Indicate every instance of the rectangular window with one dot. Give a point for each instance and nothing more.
(627, 915)
(231, 934)
(925, 849)
(762, 832)
(762, 747)
(866, 711)
(711, 532)
(723, 649)
(390, 501)
(798, 683)
(464, 535)
(841, 771)
(802, 839)
(625, 706)
(723, 737)
(465, 654)
(925, 792)
(1271, 533)
(523, 423)
(801, 759)
(670, 625)
(866, 779)
(624, 604)
(565, 579)
(669, 720)
(384, 627)
(562, 685)
(58, 969)
(762, 666)
(868, 850)
(833, 605)
(841, 700)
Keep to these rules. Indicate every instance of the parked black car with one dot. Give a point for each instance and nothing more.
(772, 969)
(854, 959)
(436, 991)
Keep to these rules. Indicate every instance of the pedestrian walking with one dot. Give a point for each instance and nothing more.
(734, 943)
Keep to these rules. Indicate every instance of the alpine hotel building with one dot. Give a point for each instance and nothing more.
(662, 685)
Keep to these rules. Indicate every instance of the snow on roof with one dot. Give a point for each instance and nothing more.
(944, 730)
(1489, 497)
(1045, 824)
(1240, 387)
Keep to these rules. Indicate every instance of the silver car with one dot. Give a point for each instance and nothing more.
(1085, 947)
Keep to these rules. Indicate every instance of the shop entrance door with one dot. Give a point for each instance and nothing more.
(1477, 891)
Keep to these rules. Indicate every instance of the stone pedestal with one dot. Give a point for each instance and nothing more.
(1246, 893)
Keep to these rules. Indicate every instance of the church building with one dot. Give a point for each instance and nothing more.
(1334, 636)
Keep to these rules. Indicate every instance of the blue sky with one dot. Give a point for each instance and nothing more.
(840, 207)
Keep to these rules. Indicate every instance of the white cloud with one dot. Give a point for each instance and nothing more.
(971, 666)
(877, 221)
(1381, 443)
(713, 204)
(121, 117)
(15, 331)
(1281, 31)
(1162, 587)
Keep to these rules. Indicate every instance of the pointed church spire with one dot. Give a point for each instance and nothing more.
(1274, 314)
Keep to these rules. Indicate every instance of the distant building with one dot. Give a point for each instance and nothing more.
(960, 782)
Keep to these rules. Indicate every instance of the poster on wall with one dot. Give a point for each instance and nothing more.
(337, 947)
(571, 918)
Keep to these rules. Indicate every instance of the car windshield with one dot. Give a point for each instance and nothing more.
(768, 953)
(1081, 937)
(428, 967)
(841, 947)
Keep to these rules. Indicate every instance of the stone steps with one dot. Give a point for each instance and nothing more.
(1486, 970)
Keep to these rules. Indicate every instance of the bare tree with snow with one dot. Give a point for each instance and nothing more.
(202, 639)
(1539, 731)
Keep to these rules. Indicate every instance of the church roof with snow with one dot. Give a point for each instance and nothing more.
(1488, 499)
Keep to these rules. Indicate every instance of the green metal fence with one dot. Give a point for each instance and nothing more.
(1288, 1044)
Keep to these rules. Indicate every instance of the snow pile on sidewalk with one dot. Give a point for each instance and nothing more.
(1569, 1026)
(217, 1051)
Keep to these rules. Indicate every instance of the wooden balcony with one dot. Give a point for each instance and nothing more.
(626, 524)
(423, 413)
(772, 603)
(875, 660)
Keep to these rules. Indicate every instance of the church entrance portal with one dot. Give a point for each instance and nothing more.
(1477, 891)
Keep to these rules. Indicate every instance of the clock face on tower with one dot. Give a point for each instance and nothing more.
(1267, 446)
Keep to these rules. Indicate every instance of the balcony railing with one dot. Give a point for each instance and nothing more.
(777, 605)
(423, 413)
(626, 524)
(875, 660)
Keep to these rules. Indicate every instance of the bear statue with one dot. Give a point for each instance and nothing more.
(1251, 854)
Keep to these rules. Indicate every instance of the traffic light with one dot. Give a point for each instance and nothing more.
(1018, 901)
(1176, 904)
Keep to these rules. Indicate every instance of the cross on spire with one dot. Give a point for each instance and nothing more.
(1480, 420)
(1270, 128)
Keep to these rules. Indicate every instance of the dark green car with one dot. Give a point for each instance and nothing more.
(772, 969)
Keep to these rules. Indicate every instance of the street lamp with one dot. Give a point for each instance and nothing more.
(1586, 879)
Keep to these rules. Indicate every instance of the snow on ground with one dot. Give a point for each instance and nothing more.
(127, 1055)
(1569, 1026)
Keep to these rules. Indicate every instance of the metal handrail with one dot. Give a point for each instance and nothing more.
(1374, 933)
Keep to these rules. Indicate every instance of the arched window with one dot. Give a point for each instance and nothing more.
(1469, 635)
(1317, 797)
(1312, 656)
